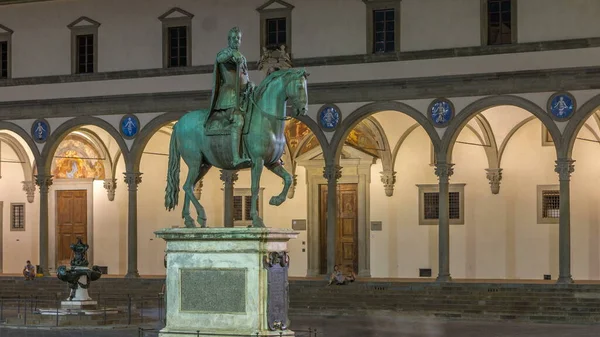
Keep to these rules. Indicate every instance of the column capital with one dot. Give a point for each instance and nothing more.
(44, 182)
(133, 179)
(29, 188)
(444, 170)
(332, 172)
(388, 178)
(110, 185)
(494, 175)
(228, 176)
(564, 167)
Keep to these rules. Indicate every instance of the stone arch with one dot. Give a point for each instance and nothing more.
(65, 128)
(401, 141)
(19, 150)
(319, 134)
(510, 134)
(371, 108)
(480, 105)
(146, 133)
(381, 138)
(575, 124)
(100, 146)
(24, 135)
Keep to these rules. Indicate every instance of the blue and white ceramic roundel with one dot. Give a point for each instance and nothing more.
(40, 130)
(329, 117)
(441, 112)
(562, 106)
(129, 126)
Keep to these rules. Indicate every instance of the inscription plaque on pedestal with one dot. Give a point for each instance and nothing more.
(277, 264)
(213, 290)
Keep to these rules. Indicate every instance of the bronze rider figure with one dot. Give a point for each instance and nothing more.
(232, 90)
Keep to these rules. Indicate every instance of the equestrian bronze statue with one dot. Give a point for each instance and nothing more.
(243, 128)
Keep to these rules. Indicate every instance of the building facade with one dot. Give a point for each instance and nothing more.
(440, 141)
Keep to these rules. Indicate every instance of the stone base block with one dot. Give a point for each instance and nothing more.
(79, 304)
(227, 281)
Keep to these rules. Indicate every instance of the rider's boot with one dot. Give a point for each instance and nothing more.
(236, 134)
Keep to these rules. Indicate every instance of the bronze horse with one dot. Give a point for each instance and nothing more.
(263, 140)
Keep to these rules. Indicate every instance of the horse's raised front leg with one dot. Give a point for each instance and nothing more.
(278, 169)
(257, 167)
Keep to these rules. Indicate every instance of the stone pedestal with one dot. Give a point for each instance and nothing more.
(82, 299)
(227, 281)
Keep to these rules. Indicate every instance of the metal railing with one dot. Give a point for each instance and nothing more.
(111, 310)
(298, 333)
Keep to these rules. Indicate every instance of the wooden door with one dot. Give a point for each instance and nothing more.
(71, 222)
(346, 241)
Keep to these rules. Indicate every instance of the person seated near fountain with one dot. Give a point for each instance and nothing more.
(29, 271)
(337, 277)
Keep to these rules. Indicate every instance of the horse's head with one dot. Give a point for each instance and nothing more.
(297, 92)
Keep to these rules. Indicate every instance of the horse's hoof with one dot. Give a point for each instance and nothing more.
(189, 223)
(258, 223)
(202, 222)
(276, 200)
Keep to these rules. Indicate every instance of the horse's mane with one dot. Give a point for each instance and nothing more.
(260, 89)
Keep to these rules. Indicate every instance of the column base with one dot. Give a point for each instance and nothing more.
(132, 274)
(565, 280)
(443, 278)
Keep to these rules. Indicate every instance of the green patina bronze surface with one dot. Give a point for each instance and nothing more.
(243, 128)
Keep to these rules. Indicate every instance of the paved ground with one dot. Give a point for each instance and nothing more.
(343, 326)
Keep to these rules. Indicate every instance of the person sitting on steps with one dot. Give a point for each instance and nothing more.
(337, 277)
(29, 271)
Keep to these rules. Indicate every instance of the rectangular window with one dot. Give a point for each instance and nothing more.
(177, 39)
(17, 217)
(85, 53)
(242, 200)
(548, 204)
(429, 204)
(551, 204)
(499, 22)
(432, 203)
(4, 59)
(384, 30)
(276, 32)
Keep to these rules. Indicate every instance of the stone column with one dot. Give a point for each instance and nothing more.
(564, 167)
(388, 178)
(110, 185)
(132, 179)
(444, 171)
(229, 178)
(332, 173)
(44, 182)
(494, 175)
(29, 188)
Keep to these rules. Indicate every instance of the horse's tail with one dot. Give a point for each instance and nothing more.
(172, 190)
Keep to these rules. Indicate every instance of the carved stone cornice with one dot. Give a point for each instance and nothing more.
(388, 178)
(332, 172)
(229, 177)
(444, 171)
(29, 188)
(133, 179)
(494, 175)
(110, 185)
(44, 182)
(198, 189)
(564, 167)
